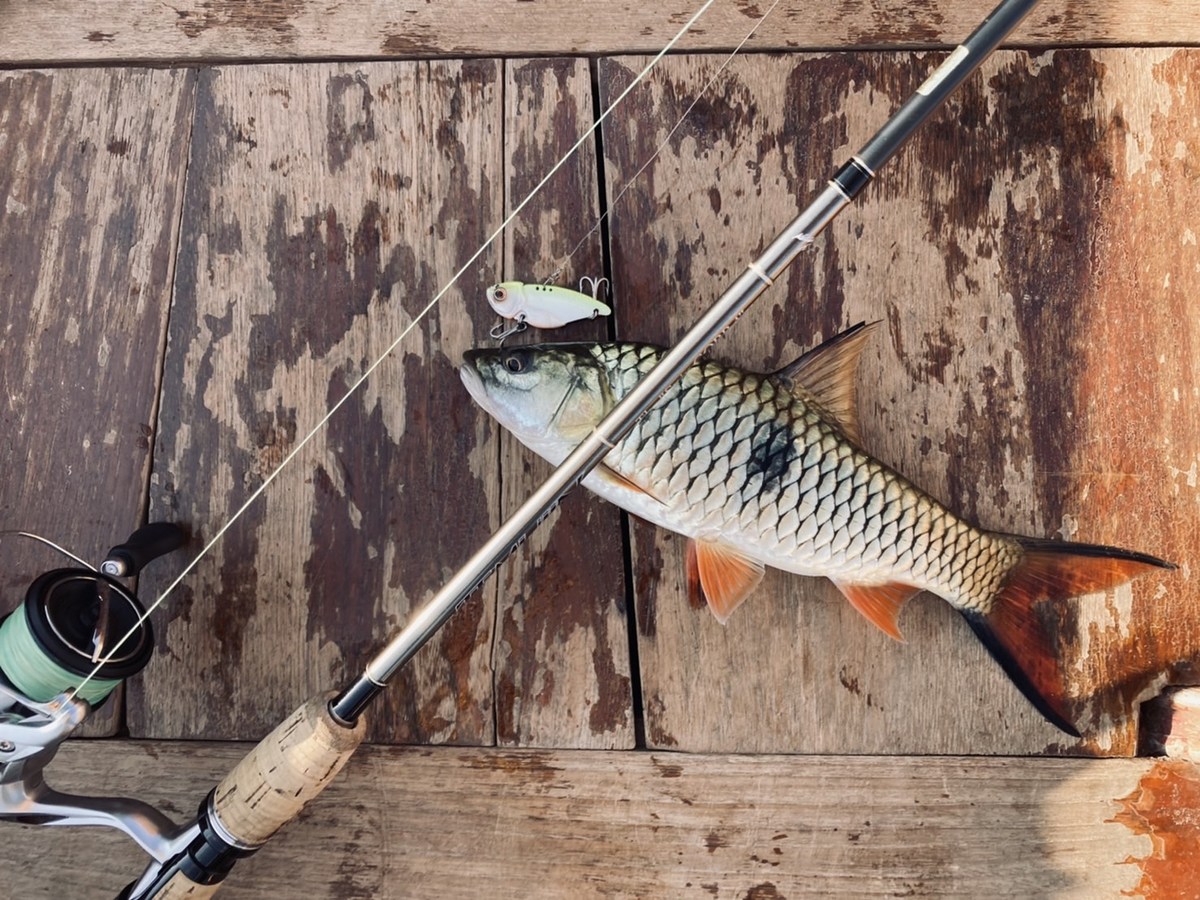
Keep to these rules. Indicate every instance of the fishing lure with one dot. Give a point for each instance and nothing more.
(544, 305)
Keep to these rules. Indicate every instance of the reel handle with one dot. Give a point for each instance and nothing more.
(146, 544)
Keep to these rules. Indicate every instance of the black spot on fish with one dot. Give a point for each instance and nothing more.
(771, 453)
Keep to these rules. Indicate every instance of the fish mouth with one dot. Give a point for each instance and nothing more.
(472, 380)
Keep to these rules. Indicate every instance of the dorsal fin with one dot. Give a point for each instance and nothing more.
(827, 373)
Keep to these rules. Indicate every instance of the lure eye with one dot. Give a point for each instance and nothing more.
(514, 364)
(499, 294)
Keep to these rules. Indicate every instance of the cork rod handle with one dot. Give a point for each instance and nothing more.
(287, 769)
(266, 789)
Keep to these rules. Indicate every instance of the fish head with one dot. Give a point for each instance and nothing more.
(550, 392)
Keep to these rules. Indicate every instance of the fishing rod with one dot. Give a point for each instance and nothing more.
(272, 784)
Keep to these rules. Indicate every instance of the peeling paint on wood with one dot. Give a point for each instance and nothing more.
(561, 652)
(1165, 806)
(325, 207)
(91, 188)
(1036, 342)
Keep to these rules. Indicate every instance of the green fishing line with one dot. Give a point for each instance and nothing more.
(34, 673)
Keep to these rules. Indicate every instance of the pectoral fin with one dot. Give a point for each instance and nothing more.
(613, 477)
(720, 575)
(881, 603)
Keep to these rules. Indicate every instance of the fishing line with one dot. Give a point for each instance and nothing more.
(49, 543)
(670, 134)
(257, 492)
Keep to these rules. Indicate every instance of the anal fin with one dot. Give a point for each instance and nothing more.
(721, 576)
(880, 603)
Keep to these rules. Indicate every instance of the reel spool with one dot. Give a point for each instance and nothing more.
(54, 639)
(71, 619)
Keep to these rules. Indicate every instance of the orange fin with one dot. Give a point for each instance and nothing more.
(827, 373)
(1022, 640)
(881, 603)
(720, 575)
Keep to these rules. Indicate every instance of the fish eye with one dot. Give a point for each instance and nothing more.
(514, 363)
(499, 294)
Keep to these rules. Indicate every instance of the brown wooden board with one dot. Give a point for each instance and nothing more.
(90, 195)
(1033, 256)
(143, 30)
(425, 823)
(326, 205)
(280, 306)
(562, 646)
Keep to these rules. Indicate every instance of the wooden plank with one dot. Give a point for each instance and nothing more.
(1034, 259)
(326, 205)
(562, 651)
(445, 822)
(211, 30)
(92, 189)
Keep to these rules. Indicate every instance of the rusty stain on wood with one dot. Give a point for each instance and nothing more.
(1165, 806)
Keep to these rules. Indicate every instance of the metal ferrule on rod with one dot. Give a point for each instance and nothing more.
(845, 185)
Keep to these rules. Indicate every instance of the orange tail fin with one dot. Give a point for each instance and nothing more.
(1016, 635)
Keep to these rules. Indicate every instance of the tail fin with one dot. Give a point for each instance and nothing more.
(1015, 633)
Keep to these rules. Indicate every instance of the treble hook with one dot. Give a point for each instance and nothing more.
(594, 286)
(500, 332)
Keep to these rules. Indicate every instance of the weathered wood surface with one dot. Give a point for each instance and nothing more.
(90, 194)
(1034, 258)
(325, 206)
(33, 32)
(307, 248)
(417, 823)
(562, 646)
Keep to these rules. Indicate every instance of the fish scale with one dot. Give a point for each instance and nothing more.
(786, 464)
(761, 470)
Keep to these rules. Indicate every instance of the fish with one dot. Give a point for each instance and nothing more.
(759, 470)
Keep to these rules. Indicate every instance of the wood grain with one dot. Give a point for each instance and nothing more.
(213, 30)
(562, 651)
(416, 823)
(326, 206)
(1033, 259)
(91, 191)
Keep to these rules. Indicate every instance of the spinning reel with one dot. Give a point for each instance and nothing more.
(77, 635)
